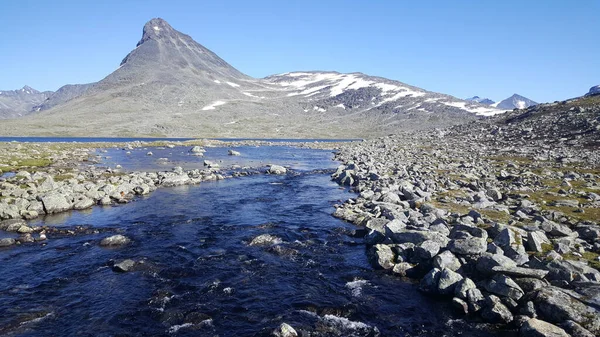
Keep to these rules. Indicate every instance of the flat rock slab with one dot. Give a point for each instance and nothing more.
(521, 272)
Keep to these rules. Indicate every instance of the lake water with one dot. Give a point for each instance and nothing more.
(200, 277)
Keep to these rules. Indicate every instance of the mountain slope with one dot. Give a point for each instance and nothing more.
(514, 102)
(17, 103)
(170, 85)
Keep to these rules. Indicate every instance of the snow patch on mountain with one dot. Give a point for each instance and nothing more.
(213, 105)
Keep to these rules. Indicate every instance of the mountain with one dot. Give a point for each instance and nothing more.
(478, 99)
(514, 102)
(594, 91)
(573, 122)
(17, 103)
(63, 94)
(170, 85)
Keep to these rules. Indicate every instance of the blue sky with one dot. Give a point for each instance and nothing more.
(546, 50)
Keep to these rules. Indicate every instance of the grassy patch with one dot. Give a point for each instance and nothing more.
(589, 257)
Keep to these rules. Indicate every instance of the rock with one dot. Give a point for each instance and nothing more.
(447, 260)
(105, 201)
(475, 299)
(5, 242)
(528, 310)
(55, 203)
(502, 285)
(233, 153)
(149, 153)
(124, 266)
(429, 283)
(175, 180)
(404, 269)
(494, 194)
(486, 263)
(556, 306)
(427, 249)
(538, 328)
(197, 149)
(24, 229)
(463, 286)
(496, 312)
(381, 256)
(265, 240)
(83, 203)
(285, 330)
(460, 305)
(521, 272)
(115, 240)
(12, 225)
(415, 236)
(576, 330)
(276, 169)
(448, 281)
(530, 284)
(555, 229)
(535, 241)
(468, 246)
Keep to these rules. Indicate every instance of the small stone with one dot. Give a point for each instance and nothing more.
(124, 266)
(5, 242)
(285, 330)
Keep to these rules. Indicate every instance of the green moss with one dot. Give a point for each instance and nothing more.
(589, 257)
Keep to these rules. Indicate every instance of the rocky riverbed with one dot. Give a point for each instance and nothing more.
(505, 229)
(49, 178)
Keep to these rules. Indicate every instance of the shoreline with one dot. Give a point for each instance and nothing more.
(510, 237)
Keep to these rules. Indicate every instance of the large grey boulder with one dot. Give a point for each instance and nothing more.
(556, 306)
(520, 272)
(381, 256)
(175, 180)
(429, 283)
(447, 260)
(427, 249)
(83, 203)
(536, 240)
(555, 229)
(496, 312)
(468, 246)
(448, 281)
(538, 328)
(55, 203)
(416, 236)
(504, 286)
(486, 263)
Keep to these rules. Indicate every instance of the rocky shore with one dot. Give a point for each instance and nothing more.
(506, 229)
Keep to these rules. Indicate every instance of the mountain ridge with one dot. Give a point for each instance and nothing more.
(170, 85)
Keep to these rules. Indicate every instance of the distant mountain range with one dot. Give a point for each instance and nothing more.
(170, 85)
(21, 102)
(513, 102)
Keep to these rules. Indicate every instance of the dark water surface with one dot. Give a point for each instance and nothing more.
(200, 277)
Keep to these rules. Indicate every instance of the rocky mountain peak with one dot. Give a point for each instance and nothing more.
(29, 90)
(156, 29)
(515, 101)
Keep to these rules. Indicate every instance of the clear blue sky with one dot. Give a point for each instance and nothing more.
(543, 49)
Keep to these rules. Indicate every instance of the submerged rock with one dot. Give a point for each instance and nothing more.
(115, 240)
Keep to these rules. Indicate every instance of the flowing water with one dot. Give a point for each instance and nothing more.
(197, 275)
